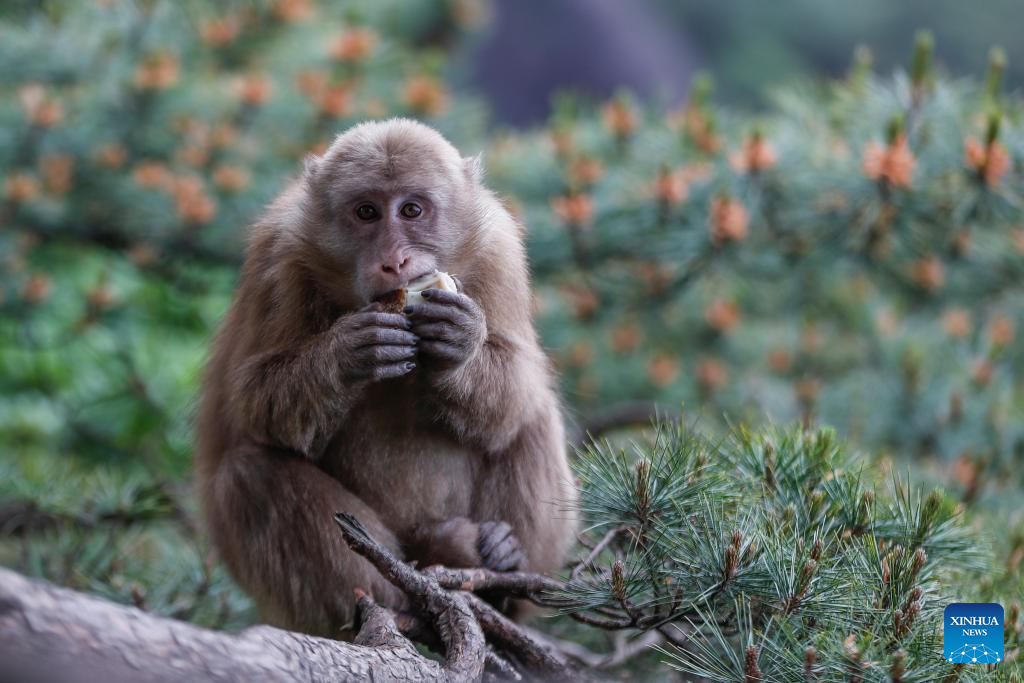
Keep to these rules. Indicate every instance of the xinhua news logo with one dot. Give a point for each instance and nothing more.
(972, 633)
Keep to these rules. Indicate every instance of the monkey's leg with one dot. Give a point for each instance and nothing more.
(530, 488)
(451, 542)
(270, 514)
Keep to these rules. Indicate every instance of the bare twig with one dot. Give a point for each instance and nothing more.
(500, 667)
(377, 626)
(537, 656)
(608, 624)
(536, 588)
(595, 551)
(465, 646)
(628, 647)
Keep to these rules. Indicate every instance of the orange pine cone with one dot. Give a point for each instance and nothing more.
(582, 300)
(729, 220)
(712, 374)
(335, 100)
(40, 108)
(158, 71)
(662, 369)
(426, 95)
(231, 178)
(37, 289)
(990, 162)
(57, 171)
(625, 338)
(254, 89)
(670, 187)
(219, 31)
(585, 171)
(928, 273)
(756, 155)
(291, 11)
(574, 209)
(1001, 330)
(957, 323)
(111, 155)
(893, 163)
(150, 174)
(619, 118)
(354, 44)
(21, 187)
(722, 315)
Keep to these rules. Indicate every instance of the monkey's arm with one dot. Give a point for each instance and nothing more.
(490, 384)
(299, 397)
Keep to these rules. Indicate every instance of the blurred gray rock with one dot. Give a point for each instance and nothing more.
(534, 48)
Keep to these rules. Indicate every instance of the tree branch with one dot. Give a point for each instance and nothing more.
(464, 641)
(52, 634)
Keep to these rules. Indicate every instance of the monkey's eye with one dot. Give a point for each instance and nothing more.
(411, 210)
(366, 212)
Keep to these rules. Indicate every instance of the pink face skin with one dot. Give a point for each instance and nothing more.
(397, 232)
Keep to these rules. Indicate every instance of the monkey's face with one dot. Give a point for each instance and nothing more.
(395, 235)
(394, 199)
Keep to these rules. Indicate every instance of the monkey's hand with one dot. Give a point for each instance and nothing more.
(374, 345)
(451, 326)
(499, 548)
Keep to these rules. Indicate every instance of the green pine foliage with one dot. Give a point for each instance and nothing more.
(851, 256)
(773, 553)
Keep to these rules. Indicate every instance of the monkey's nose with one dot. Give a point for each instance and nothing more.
(395, 265)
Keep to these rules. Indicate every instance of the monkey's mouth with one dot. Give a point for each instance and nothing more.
(390, 294)
(425, 273)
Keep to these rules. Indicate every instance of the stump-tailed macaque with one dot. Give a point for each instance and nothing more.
(437, 426)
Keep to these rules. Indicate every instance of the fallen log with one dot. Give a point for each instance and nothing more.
(54, 634)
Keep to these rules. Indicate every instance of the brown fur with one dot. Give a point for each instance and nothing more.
(286, 437)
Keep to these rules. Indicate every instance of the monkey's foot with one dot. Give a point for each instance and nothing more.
(499, 548)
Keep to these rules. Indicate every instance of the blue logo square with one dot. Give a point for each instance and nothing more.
(972, 633)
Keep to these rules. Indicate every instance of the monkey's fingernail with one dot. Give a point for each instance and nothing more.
(425, 294)
(415, 338)
(407, 310)
(410, 366)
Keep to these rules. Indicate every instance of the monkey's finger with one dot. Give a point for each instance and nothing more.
(391, 354)
(511, 562)
(486, 528)
(518, 561)
(393, 370)
(491, 534)
(511, 559)
(444, 297)
(442, 350)
(377, 319)
(502, 550)
(433, 311)
(441, 331)
(372, 336)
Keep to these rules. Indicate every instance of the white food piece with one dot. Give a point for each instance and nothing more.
(435, 280)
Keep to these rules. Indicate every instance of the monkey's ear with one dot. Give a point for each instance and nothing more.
(474, 168)
(310, 165)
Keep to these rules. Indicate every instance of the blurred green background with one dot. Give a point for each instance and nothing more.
(728, 207)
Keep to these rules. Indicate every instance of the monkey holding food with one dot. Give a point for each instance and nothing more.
(437, 426)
